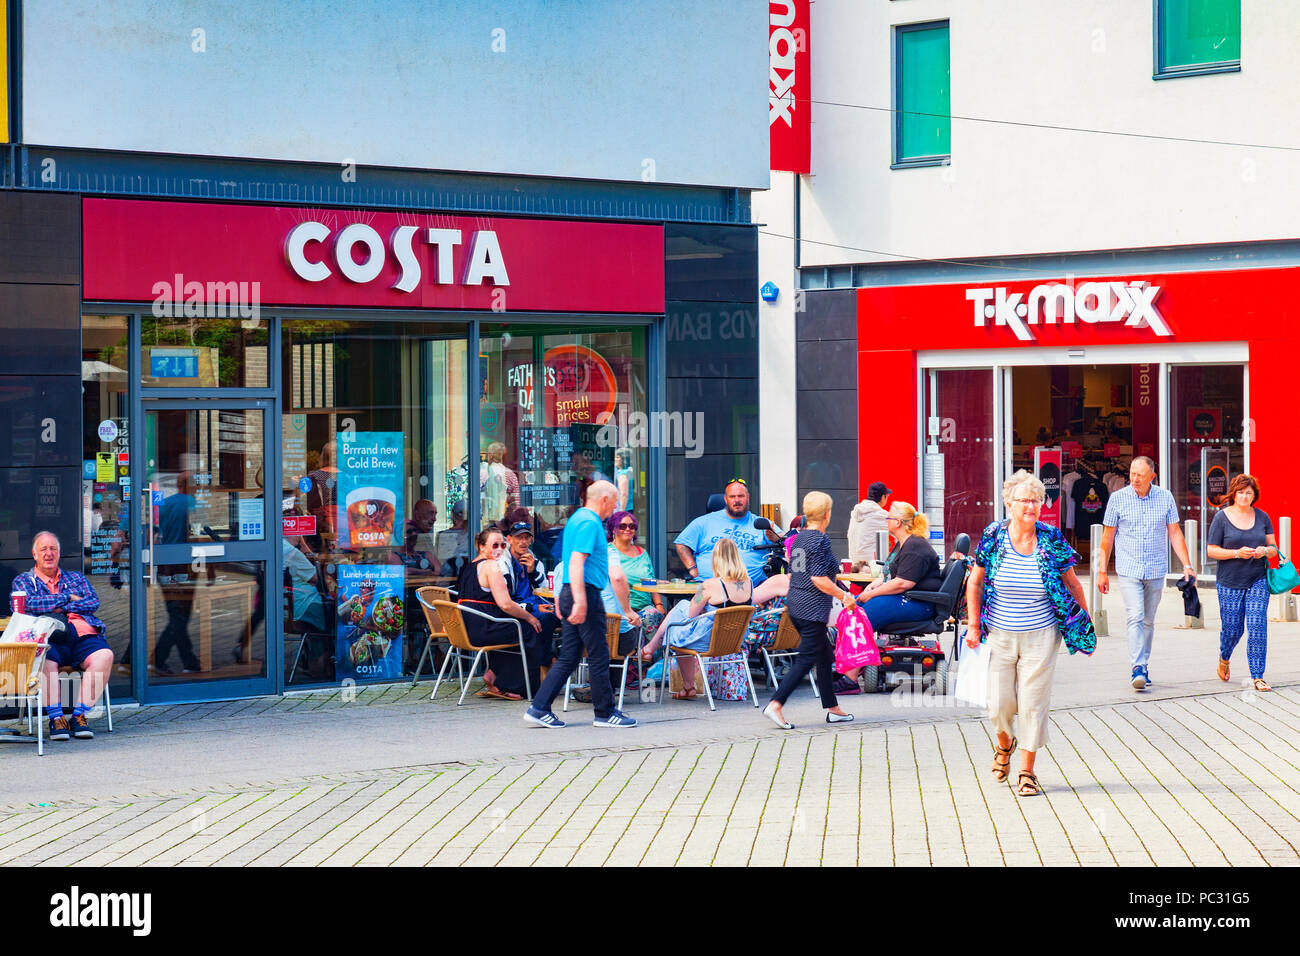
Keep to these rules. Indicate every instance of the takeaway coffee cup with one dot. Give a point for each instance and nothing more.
(371, 513)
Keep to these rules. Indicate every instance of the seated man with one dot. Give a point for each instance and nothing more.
(67, 595)
(418, 547)
(735, 521)
(525, 574)
(451, 545)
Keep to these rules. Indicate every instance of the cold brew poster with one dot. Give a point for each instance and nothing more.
(371, 620)
(370, 489)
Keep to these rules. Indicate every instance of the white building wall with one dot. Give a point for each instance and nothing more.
(1016, 190)
(778, 461)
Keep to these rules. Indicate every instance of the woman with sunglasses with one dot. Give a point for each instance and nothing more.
(482, 587)
(621, 531)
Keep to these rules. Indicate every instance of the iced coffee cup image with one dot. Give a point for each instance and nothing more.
(371, 512)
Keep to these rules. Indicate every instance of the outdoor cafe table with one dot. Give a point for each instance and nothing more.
(856, 577)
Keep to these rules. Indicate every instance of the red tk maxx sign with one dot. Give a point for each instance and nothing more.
(789, 117)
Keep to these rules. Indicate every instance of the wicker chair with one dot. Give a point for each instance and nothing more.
(451, 616)
(729, 626)
(612, 622)
(785, 644)
(20, 681)
(426, 596)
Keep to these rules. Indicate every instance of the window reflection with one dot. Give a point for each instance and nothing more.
(559, 410)
(374, 449)
(106, 483)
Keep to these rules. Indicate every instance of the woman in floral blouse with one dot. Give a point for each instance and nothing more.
(1028, 601)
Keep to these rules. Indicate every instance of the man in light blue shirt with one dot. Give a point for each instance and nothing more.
(1141, 522)
(583, 573)
(697, 540)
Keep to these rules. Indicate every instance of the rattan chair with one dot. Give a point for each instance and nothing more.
(729, 627)
(452, 619)
(20, 681)
(785, 644)
(612, 623)
(426, 596)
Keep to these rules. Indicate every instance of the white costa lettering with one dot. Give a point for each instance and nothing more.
(483, 262)
(1133, 303)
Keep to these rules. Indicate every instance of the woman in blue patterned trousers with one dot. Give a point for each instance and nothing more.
(1241, 540)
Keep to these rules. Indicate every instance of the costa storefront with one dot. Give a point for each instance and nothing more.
(961, 384)
(294, 417)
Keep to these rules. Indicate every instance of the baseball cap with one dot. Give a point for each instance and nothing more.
(521, 527)
(877, 489)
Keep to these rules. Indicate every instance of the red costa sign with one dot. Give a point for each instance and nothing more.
(143, 251)
(789, 114)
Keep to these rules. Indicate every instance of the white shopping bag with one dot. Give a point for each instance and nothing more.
(26, 628)
(973, 676)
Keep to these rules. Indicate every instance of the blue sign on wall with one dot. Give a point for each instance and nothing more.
(173, 365)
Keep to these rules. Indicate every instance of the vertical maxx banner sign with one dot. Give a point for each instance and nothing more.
(789, 114)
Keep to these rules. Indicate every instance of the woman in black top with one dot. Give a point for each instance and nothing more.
(1241, 540)
(482, 587)
(916, 565)
(812, 586)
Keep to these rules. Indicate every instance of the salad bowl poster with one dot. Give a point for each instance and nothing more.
(371, 620)
(370, 489)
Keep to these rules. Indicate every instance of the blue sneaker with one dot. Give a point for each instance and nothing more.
(542, 718)
(1139, 678)
(615, 719)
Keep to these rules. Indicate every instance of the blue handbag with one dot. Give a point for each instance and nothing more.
(1284, 577)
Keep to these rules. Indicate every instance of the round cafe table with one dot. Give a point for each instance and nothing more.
(857, 577)
(667, 588)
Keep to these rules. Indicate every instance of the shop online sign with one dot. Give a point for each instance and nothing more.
(1131, 304)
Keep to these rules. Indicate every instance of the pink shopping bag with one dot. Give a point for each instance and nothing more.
(855, 645)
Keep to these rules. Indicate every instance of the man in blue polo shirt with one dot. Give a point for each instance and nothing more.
(698, 539)
(582, 574)
(1141, 522)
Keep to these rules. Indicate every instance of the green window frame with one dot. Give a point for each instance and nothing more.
(1196, 37)
(922, 95)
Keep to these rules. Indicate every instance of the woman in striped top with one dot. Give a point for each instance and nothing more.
(1023, 592)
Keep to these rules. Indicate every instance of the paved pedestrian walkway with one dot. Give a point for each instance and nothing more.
(1189, 772)
(1199, 780)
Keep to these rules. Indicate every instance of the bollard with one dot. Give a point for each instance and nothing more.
(1094, 595)
(1192, 535)
(1286, 609)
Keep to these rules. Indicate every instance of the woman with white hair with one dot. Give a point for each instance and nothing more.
(1027, 599)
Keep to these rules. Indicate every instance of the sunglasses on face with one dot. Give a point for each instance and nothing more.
(497, 545)
(625, 526)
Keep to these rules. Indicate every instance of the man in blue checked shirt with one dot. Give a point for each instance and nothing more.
(1141, 522)
(67, 594)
